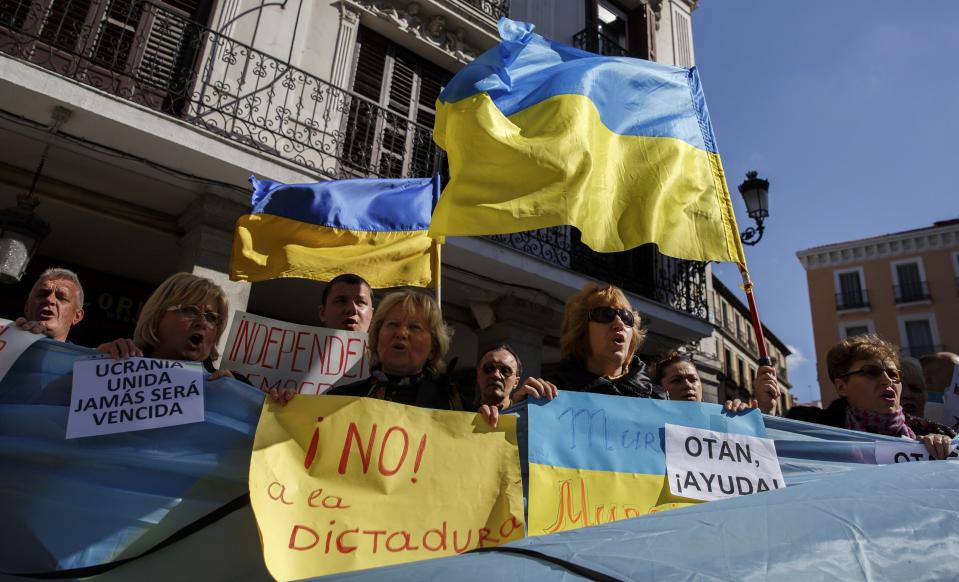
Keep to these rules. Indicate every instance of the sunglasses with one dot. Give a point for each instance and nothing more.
(503, 369)
(872, 371)
(194, 312)
(608, 314)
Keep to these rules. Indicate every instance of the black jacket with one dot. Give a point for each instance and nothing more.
(572, 375)
(424, 391)
(835, 415)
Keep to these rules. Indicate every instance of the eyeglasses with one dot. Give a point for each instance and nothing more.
(607, 314)
(872, 371)
(194, 312)
(504, 370)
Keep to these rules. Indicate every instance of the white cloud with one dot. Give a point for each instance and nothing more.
(796, 358)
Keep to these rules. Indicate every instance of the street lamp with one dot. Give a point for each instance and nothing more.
(755, 193)
(21, 232)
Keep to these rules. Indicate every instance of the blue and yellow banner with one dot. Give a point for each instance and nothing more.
(595, 459)
(539, 134)
(375, 228)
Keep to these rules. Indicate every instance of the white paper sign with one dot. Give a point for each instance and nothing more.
(111, 396)
(950, 409)
(888, 453)
(13, 342)
(707, 465)
(278, 354)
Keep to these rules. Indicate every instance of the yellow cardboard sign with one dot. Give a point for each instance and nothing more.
(340, 483)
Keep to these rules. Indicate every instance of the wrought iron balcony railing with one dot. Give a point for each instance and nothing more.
(493, 8)
(594, 41)
(676, 283)
(918, 291)
(159, 57)
(852, 299)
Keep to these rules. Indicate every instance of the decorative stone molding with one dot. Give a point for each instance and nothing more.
(434, 29)
(891, 245)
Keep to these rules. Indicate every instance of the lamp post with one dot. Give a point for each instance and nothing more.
(755, 193)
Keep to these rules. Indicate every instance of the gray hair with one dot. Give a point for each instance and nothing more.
(61, 273)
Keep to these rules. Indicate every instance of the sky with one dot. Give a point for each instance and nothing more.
(849, 110)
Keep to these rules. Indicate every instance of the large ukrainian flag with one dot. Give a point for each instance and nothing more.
(540, 134)
(372, 227)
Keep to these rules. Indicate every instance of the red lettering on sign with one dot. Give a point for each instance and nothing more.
(353, 433)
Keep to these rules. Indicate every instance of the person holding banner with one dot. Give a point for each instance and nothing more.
(677, 373)
(182, 319)
(408, 341)
(497, 377)
(599, 339)
(54, 306)
(866, 373)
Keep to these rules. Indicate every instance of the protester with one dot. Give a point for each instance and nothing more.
(347, 303)
(599, 339)
(54, 306)
(865, 372)
(938, 370)
(678, 375)
(182, 319)
(497, 377)
(408, 341)
(914, 393)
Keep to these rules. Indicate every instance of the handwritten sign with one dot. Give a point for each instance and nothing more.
(594, 459)
(888, 453)
(13, 342)
(277, 354)
(709, 465)
(340, 483)
(111, 396)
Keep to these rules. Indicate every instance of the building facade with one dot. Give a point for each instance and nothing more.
(903, 286)
(173, 104)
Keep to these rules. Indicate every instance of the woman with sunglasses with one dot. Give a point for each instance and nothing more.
(865, 371)
(183, 319)
(600, 336)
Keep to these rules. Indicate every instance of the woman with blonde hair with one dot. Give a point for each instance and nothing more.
(408, 342)
(182, 319)
(600, 337)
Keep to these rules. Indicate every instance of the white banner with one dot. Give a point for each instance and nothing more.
(888, 453)
(13, 342)
(950, 411)
(278, 354)
(111, 396)
(708, 465)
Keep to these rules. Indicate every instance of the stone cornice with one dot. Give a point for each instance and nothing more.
(881, 247)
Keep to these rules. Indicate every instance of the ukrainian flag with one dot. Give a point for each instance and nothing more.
(539, 134)
(372, 227)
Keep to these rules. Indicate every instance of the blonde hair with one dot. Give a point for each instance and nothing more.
(413, 302)
(179, 289)
(574, 338)
(860, 347)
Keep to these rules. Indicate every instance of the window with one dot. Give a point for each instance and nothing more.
(919, 334)
(742, 373)
(612, 23)
(682, 46)
(726, 322)
(851, 289)
(854, 328)
(909, 281)
(390, 131)
(739, 327)
(728, 362)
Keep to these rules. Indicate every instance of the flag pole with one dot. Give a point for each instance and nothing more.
(436, 258)
(754, 313)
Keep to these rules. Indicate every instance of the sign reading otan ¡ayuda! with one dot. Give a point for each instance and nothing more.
(278, 354)
(340, 483)
(595, 459)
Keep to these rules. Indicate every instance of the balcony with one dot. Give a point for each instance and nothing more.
(594, 41)
(852, 300)
(911, 293)
(676, 283)
(491, 8)
(161, 58)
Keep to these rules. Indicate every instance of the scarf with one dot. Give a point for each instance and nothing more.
(887, 423)
(401, 389)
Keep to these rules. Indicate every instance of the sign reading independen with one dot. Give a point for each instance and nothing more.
(709, 465)
(111, 396)
(287, 356)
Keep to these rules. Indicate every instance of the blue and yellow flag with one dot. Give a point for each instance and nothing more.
(539, 134)
(372, 227)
